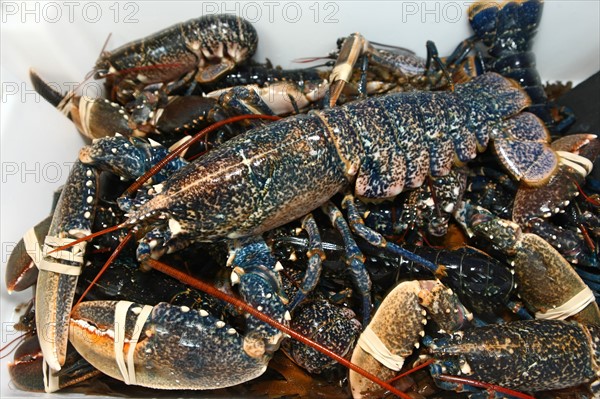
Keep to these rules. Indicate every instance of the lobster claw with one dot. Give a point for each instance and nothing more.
(59, 270)
(352, 48)
(175, 347)
(21, 268)
(165, 346)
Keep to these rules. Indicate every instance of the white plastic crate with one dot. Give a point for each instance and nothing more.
(62, 40)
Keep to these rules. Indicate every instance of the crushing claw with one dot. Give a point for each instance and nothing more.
(175, 347)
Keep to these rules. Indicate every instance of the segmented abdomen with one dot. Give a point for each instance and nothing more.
(392, 142)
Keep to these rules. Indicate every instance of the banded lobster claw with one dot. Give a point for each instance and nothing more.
(175, 347)
(59, 271)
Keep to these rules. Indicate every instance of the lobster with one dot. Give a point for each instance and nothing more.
(201, 49)
(266, 177)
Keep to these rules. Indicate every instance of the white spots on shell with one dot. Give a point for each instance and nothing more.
(87, 215)
(113, 150)
(154, 143)
(174, 226)
(259, 308)
(424, 322)
(287, 316)
(185, 309)
(231, 331)
(269, 295)
(278, 267)
(203, 313)
(89, 183)
(88, 173)
(465, 368)
(89, 199)
(220, 324)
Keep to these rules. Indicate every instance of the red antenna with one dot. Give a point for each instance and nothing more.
(209, 289)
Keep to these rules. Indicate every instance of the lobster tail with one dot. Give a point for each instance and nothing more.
(522, 141)
(492, 94)
(522, 145)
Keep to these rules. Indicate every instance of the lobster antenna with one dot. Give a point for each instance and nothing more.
(209, 289)
(110, 260)
(419, 367)
(479, 384)
(403, 49)
(15, 342)
(161, 164)
(586, 197)
(89, 237)
(306, 60)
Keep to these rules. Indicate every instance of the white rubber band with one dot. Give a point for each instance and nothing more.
(32, 246)
(574, 305)
(60, 268)
(50, 380)
(72, 254)
(137, 331)
(582, 165)
(341, 71)
(119, 328)
(127, 369)
(370, 343)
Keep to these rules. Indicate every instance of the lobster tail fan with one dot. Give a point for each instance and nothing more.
(522, 145)
(482, 17)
